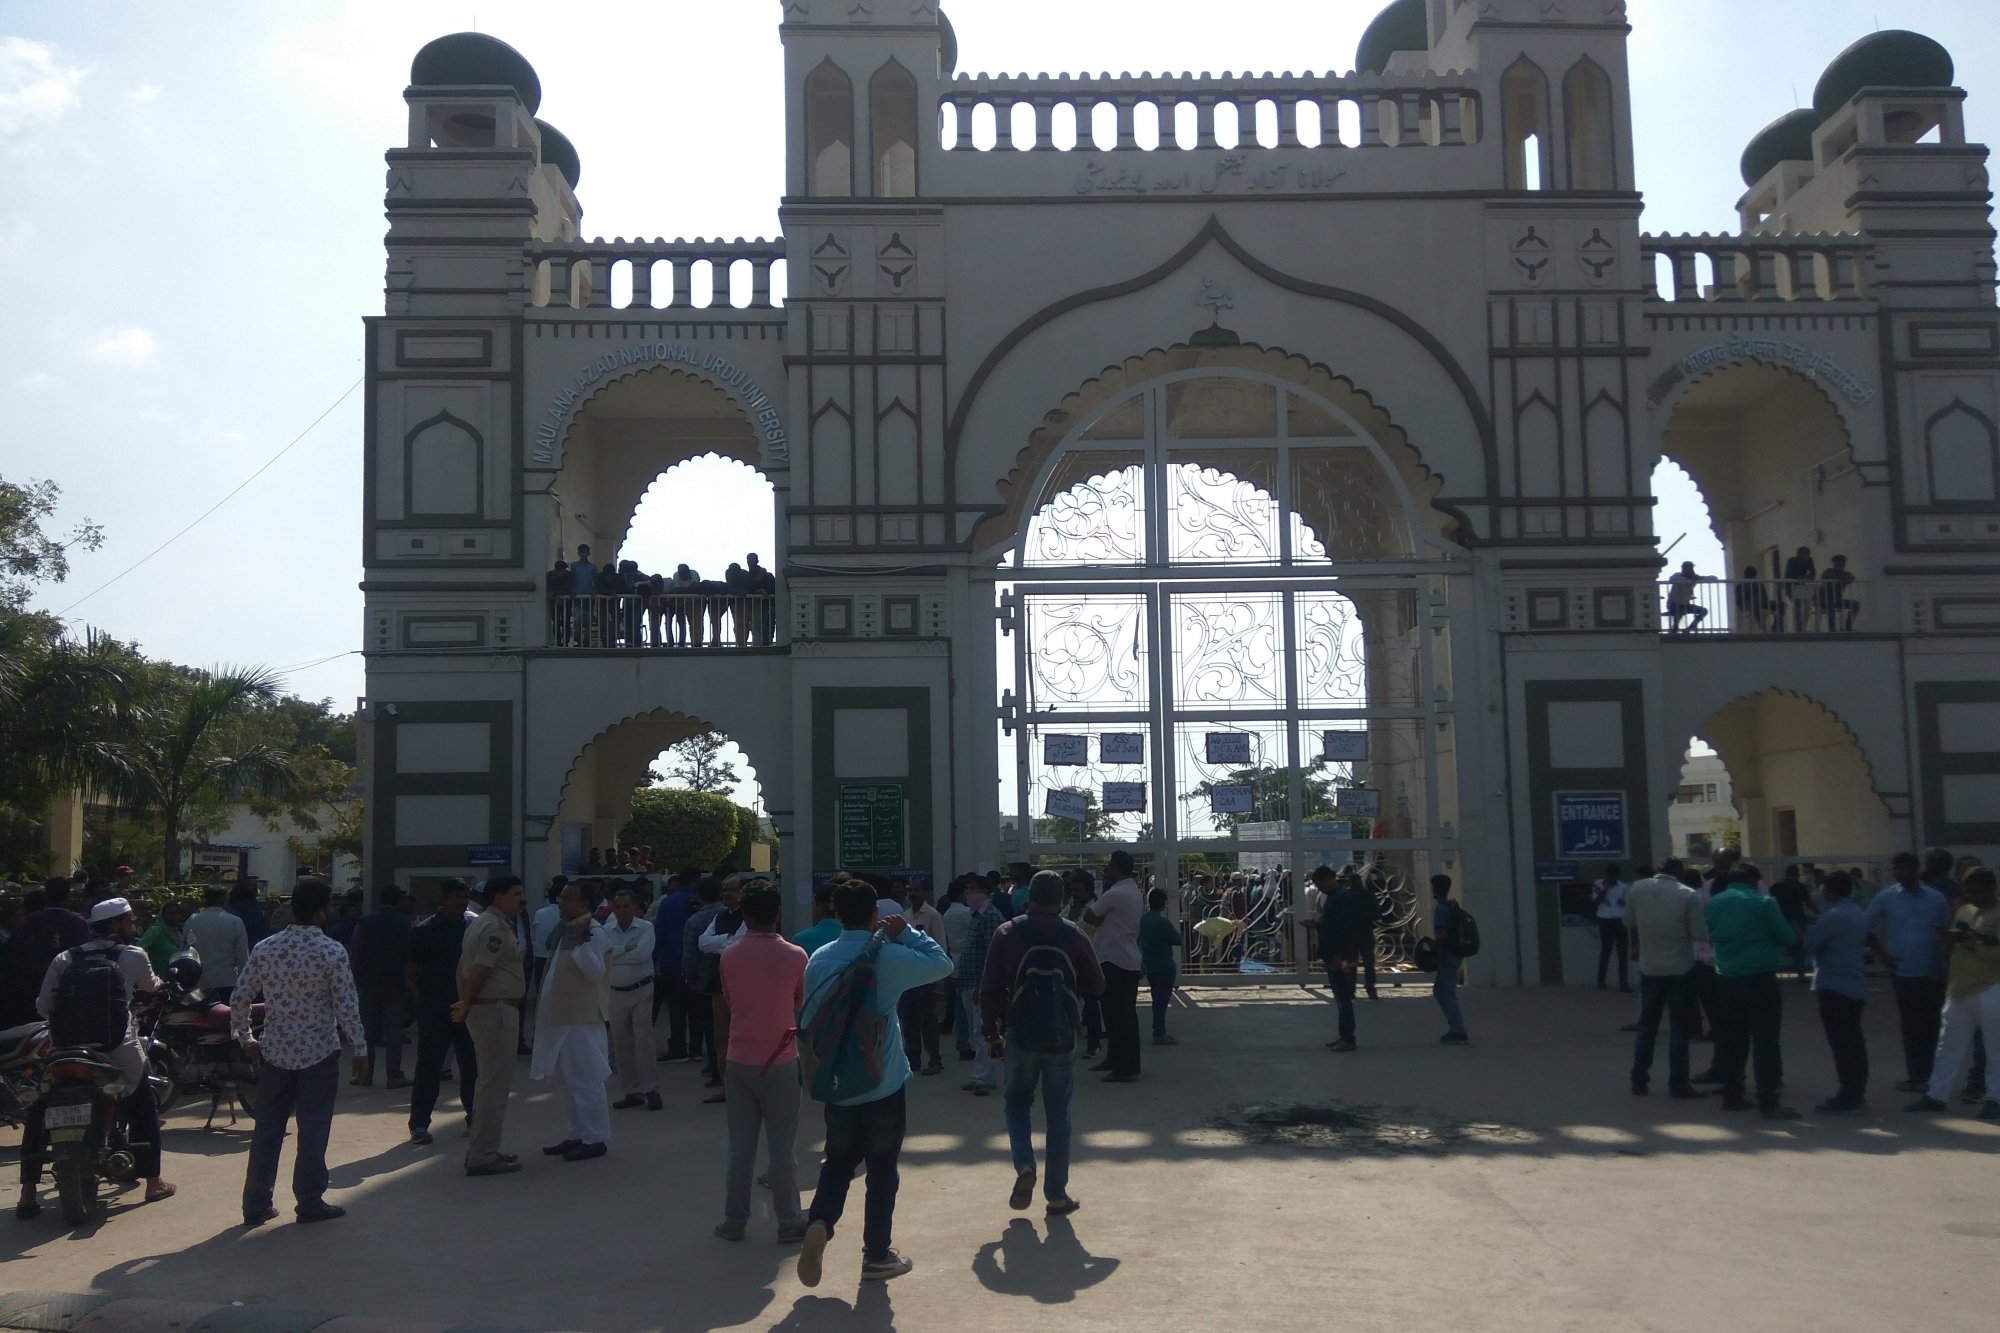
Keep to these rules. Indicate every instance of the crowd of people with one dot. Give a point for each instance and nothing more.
(617, 605)
(1816, 598)
(1711, 944)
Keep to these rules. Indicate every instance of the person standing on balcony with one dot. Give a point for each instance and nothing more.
(737, 580)
(582, 587)
(1607, 898)
(764, 585)
(1834, 602)
(1753, 605)
(1800, 575)
(1680, 599)
(558, 584)
(1908, 923)
(684, 624)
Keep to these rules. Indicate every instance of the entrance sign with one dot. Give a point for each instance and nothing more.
(1590, 825)
(1345, 747)
(1057, 750)
(1231, 798)
(1122, 747)
(1358, 802)
(1125, 797)
(1072, 805)
(1227, 747)
(488, 854)
(871, 825)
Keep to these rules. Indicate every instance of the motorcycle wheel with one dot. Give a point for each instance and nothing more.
(246, 1095)
(163, 1072)
(76, 1187)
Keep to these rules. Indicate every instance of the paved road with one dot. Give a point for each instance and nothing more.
(1524, 1188)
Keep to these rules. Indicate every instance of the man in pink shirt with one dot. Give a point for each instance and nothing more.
(763, 982)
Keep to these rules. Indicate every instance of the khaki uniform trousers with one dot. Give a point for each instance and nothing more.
(632, 1052)
(496, 1034)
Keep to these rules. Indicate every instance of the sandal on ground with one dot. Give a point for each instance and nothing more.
(1062, 1207)
(165, 1191)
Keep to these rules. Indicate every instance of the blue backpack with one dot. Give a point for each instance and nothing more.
(845, 1034)
(1045, 1010)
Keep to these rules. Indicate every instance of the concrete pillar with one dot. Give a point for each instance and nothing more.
(66, 833)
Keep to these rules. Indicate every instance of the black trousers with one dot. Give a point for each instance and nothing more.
(701, 1023)
(1121, 1017)
(917, 1011)
(1752, 1010)
(1920, 1008)
(1613, 935)
(683, 1035)
(1703, 978)
(1674, 997)
(438, 1036)
(1840, 1015)
(872, 1133)
(1340, 980)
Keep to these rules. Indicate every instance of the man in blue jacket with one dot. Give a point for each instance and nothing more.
(1341, 936)
(869, 1127)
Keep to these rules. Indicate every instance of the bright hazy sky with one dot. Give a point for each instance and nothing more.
(192, 230)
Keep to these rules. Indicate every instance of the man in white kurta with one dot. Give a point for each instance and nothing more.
(569, 1029)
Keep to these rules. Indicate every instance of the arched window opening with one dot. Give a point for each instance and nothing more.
(1524, 124)
(830, 132)
(1593, 163)
(892, 121)
(1964, 455)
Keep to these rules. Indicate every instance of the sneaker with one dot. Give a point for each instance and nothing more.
(396, 1081)
(1927, 1104)
(727, 1232)
(1835, 1106)
(1454, 1039)
(1166, 1039)
(1024, 1190)
(1062, 1207)
(811, 1256)
(965, 1055)
(934, 1067)
(1972, 1097)
(563, 1149)
(653, 1102)
(628, 1102)
(1102, 1066)
(889, 1265)
(791, 1235)
(421, 1137)
(1342, 1047)
(318, 1212)
(586, 1152)
(976, 1088)
(1090, 1052)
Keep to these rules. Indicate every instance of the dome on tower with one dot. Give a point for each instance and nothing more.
(473, 58)
(1786, 139)
(559, 152)
(947, 47)
(1892, 59)
(1400, 27)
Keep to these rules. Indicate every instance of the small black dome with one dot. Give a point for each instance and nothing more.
(1892, 59)
(559, 152)
(473, 58)
(1786, 139)
(1400, 27)
(947, 47)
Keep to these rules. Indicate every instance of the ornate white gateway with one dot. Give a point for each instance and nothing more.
(1294, 435)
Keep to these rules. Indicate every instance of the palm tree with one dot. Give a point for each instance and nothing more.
(187, 753)
(63, 705)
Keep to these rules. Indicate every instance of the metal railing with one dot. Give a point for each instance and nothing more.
(666, 621)
(1782, 266)
(577, 274)
(1762, 606)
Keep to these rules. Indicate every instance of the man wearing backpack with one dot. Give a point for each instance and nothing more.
(1446, 928)
(1038, 970)
(852, 986)
(87, 998)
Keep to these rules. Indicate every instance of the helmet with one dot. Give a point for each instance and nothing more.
(184, 970)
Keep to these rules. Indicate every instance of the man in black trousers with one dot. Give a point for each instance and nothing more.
(1341, 935)
(432, 969)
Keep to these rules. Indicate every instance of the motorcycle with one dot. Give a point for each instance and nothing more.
(84, 1134)
(23, 1051)
(190, 1046)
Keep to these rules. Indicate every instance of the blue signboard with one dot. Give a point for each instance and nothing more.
(488, 854)
(1590, 825)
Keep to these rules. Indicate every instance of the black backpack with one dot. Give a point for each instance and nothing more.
(1464, 932)
(1045, 1010)
(91, 1008)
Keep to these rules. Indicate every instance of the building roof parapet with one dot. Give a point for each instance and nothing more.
(577, 274)
(1186, 82)
(1754, 266)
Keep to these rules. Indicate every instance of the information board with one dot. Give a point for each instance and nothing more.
(1226, 747)
(871, 825)
(1122, 747)
(1125, 797)
(1590, 825)
(1065, 750)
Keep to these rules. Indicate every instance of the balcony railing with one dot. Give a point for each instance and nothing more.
(670, 622)
(1782, 266)
(577, 274)
(1763, 606)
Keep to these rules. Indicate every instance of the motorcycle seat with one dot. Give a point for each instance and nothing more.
(14, 1039)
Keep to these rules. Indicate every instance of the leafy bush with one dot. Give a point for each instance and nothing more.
(684, 828)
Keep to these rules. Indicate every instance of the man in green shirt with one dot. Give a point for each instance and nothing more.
(163, 939)
(1750, 936)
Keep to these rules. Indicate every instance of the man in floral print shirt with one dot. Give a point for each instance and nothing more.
(307, 987)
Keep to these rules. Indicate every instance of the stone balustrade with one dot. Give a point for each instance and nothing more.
(1776, 267)
(577, 274)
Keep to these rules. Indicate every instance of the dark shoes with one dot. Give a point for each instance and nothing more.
(30, 1208)
(889, 1265)
(1927, 1104)
(1778, 1113)
(563, 1149)
(1166, 1039)
(1707, 1076)
(1687, 1094)
(1342, 1046)
(1024, 1190)
(1121, 1078)
(965, 1055)
(934, 1067)
(1100, 1067)
(1909, 1085)
(1835, 1106)
(584, 1152)
(421, 1138)
(653, 1102)
(254, 1219)
(1062, 1207)
(320, 1212)
(1991, 1110)
(791, 1235)
(1639, 1089)
(1454, 1039)
(627, 1103)
(976, 1088)
(727, 1232)
(500, 1166)
(813, 1255)
(396, 1081)
(1738, 1104)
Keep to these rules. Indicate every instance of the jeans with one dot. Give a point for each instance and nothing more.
(1840, 1015)
(1162, 986)
(1920, 1008)
(766, 1099)
(1752, 1011)
(918, 1011)
(382, 1017)
(873, 1133)
(1964, 1017)
(309, 1093)
(1340, 980)
(438, 1037)
(1056, 1072)
(962, 1027)
(982, 1063)
(1444, 988)
(1121, 1018)
(1674, 997)
(1612, 935)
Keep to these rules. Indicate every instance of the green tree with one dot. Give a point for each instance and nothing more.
(188, 756)
(697, 764)
(28, 554)
(684, 828)
(1271, 795)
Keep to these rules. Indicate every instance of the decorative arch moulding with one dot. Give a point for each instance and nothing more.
(705, 365)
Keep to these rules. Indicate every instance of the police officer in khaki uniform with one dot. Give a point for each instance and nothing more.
(491, 982)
